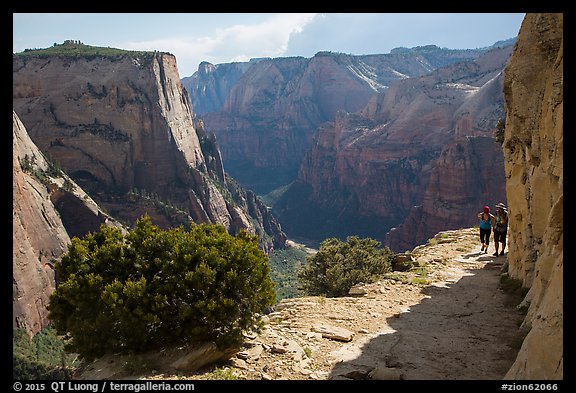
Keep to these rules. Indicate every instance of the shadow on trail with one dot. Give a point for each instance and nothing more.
(480, 256)
(463, 331)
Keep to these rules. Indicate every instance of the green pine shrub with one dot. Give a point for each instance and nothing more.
(151, 287)
(338, 266)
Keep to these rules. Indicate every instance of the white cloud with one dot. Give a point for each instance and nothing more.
(238, 42)
(367, 33)
(226, 37)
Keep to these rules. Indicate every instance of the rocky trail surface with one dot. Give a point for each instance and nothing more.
(447, 319)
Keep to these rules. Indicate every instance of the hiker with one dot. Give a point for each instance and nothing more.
(500, 227)
(486, 220)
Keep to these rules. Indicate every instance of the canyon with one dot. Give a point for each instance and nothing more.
(121, 128)
(267, 119)
(124, 131)
(125, 139)
(387, 331)
(394, 147)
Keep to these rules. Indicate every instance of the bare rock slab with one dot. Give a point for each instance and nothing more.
(333, 332)
(200, 356)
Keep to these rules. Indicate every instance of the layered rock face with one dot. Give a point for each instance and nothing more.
(48, 209)
(271, 114)
(209, 87)
(533, 152)
(37, 234)
(467, 173)
(122, 127)
(420, 157)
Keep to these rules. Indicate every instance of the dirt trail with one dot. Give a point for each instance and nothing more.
(457, 325)
(464, 327)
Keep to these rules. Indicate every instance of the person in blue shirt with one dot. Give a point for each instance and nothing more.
(486, 222)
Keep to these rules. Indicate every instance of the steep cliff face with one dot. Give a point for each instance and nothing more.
(533, 152)
(48, 209)
(468, 173)
(209, 87)
(37, 234)
(422, 149)
(261, 135)
(271, 114)
(122, 127)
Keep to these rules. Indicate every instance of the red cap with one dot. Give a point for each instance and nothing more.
(486, 209)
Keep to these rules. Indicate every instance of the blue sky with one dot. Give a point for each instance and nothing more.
(227, 37)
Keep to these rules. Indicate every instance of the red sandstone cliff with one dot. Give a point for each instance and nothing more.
(48, 209)
(122, 127)
(420, 157)
(37, 234)
(270, 115)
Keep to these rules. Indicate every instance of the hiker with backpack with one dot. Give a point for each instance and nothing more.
(500, 227)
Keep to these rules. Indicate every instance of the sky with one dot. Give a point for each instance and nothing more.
(228, 37)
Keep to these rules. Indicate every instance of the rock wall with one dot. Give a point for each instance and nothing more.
(270, 115)
(123, 128)
(113, 124)
(533, 151)
(420, 157)
(37, 234)
(48, 209)
(467, 172)
(209, 87)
